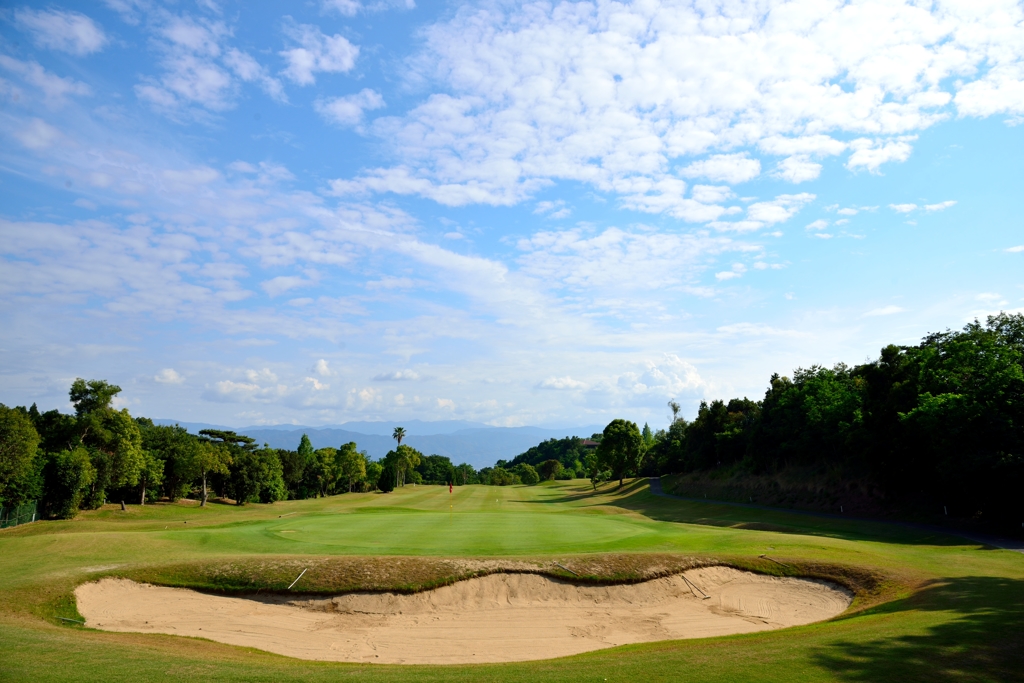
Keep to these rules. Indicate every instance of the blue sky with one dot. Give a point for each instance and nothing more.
(547, 214)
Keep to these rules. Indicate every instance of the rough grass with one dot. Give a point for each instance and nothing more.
(928, 607)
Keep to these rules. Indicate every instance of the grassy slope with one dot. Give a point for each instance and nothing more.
(964, 619)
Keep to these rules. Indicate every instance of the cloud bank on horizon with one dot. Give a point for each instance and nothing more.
(516, 213)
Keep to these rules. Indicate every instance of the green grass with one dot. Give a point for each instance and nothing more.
(945, 610)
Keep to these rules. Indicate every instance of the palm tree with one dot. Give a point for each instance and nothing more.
(398, 435)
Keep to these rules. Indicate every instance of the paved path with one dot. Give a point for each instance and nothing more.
(1003, 543)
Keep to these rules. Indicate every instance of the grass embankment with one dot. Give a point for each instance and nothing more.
(929, 607)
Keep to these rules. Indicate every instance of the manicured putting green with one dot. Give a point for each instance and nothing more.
(462, 533)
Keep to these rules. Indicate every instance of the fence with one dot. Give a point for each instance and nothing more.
(23, 514)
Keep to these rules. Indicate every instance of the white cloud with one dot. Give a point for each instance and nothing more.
(711, 194)
(397, 376)
(780, 209)
(605, 264)
(54, 88)
(350, 8)
(249, 70)
(941, 206)
(348, 110)
(190, 49)
(847, 211)
(885, 310)
(562, 383)
(819, 224)
(903, 208)
(554, 209)
(322, 368)
(1015, 250)
(317, 384)
(726, 168)
(316, 53)
(871, 154)
(69, 32)
(763, 214)
(808, 145)
(737, 271)
(283, 283)
(37, 134)
(797, 169)
(616, 95)
(168, 376)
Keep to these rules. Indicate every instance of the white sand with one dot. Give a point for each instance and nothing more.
(498, 618)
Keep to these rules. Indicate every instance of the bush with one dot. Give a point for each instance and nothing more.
(527, 474)
(386, 480)
(499, 476)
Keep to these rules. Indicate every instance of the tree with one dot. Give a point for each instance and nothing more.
(211, 457)
(67, 476)
(255, 475)
(151, 475)
(386, 480)
(398, 434)
(307, 457)
(111, 436)
(92, 396)
(18, 444)
(437, 469)
(351, 465)
(648, 436)
(621, 449)
(465, 474)
(322, 473)
(549, 469)
(499, 476)
(399, 462)
(179, 452)
(594, 471)
(373, 472)
(527, 474)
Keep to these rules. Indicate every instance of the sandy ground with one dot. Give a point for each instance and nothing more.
(498, 618)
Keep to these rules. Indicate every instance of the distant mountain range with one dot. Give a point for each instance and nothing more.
(478, 444)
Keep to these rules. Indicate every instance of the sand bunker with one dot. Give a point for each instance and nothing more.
(498, 618)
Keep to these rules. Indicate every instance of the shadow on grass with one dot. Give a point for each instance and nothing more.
(984, 640)
(637, 497)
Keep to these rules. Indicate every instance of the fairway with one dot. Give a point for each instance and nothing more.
(940, 609)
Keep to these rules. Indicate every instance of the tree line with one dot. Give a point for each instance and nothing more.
(936, 425)
(940, 423)
(98, 454)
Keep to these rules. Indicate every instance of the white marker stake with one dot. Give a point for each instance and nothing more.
(299, 577)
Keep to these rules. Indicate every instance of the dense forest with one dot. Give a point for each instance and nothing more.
(938, 426)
